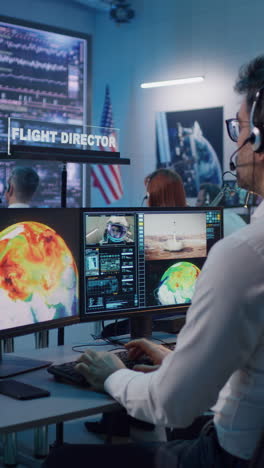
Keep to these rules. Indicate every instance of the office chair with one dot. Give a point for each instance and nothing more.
(258, 456)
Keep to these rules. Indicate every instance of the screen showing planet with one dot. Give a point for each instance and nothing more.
(177, 284)
(38, 275)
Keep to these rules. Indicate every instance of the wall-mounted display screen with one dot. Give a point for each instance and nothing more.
(44, 75)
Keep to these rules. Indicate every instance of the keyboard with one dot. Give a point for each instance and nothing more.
(66, 372)
(129, 363)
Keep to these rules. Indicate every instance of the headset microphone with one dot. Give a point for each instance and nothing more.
(145, 198)
(232, 165)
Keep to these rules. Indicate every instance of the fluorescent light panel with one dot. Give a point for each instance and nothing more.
(157, 84)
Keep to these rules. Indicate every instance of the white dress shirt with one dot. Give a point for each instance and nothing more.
(232, 221)
(220, 348)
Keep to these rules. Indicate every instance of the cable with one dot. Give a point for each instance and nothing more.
(85, 345)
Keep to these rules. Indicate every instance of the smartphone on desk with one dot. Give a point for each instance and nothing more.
(21, 391)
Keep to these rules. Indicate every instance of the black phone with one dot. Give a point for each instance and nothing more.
(21, 390)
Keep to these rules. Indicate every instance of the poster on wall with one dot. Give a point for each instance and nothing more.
(191, 143)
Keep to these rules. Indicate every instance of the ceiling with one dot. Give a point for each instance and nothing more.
(102, 5)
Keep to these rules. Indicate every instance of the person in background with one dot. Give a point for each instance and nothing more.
(117, 231)
(231, 220)
(21, 186)
(207, 194)
(165, 189)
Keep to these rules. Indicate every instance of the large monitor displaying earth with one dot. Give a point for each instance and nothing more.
(39, 274)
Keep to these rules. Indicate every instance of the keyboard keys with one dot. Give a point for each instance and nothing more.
(66, 372)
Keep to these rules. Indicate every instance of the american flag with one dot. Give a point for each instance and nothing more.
(107, 178)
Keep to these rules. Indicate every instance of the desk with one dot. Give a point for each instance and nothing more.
(66, 402)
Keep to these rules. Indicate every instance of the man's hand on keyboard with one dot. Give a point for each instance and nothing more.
(140, 347)
(97, 366)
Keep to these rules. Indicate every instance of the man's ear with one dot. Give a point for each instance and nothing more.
(259, 158)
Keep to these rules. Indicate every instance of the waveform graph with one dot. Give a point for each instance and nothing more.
(45, 77)
(46, 70)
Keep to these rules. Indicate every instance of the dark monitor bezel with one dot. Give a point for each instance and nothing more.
(49, 324)
(174, 310)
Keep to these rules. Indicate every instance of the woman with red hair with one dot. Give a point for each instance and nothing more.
(165, 188)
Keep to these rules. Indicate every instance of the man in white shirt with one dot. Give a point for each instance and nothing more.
(218, 361)
(21, 186)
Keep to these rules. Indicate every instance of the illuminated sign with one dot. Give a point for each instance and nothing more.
(63, 135)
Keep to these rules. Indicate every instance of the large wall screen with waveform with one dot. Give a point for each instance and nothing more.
(39, 269)
(44, 75)
(144, 260)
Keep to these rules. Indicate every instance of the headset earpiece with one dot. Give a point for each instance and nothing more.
(256, 132)
(256, 139)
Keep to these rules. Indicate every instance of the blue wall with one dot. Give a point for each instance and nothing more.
(169, 39)
(60, 13)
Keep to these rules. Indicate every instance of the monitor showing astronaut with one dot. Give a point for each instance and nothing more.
(104, 230)
(145, 259)
(109, 261)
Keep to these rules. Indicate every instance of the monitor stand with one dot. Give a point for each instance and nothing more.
(140, 327)
(11, 364)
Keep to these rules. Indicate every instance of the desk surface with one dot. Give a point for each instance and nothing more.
(65, 403)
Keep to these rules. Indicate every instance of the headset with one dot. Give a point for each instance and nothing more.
(149, 178)
(256, 137)
(8, 187)
(256, 130)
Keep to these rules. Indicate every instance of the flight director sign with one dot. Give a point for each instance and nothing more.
(25, 132)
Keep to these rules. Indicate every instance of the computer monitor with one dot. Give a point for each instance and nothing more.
(143, 261)
(45, 76)
(39, 274)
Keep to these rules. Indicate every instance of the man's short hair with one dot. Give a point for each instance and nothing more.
(25, 181)
(250, 80)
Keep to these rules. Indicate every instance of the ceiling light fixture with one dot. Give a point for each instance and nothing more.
(181, 81)
(121, 12)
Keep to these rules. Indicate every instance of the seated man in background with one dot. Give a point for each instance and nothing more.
(22, 185)
(232, 220)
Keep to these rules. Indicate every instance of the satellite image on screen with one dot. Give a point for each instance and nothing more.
(39, 275)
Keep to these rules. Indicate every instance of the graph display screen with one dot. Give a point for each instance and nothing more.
(39, 269)
(44, 76)
(144, 259)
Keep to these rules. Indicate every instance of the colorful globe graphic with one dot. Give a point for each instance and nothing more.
(177, 283)
(38, 275)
